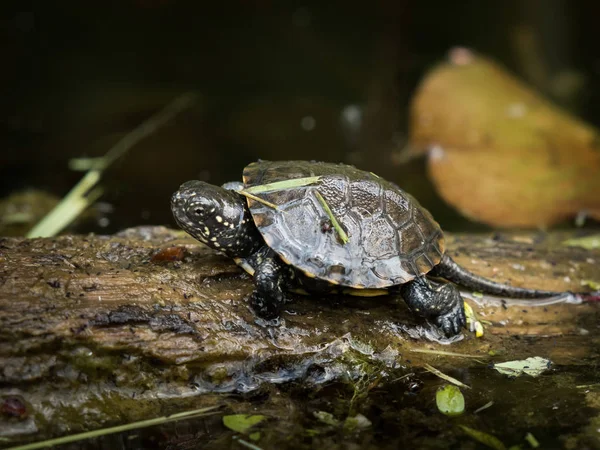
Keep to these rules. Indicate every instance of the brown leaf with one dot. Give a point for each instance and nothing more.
(500, 153)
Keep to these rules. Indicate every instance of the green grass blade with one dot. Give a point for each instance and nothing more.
(336, 225)
(148, 127)
(118, 429)
(68, 209)
(281, 185)
(79, 198)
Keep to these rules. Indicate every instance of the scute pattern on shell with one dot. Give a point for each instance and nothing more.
(392, 238)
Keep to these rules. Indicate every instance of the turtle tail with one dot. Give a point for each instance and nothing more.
(449, 269)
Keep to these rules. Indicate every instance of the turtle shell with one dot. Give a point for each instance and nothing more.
(391, 238)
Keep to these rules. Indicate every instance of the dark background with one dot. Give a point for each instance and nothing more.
(275, 81)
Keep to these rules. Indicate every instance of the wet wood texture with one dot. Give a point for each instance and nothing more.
(150, 312)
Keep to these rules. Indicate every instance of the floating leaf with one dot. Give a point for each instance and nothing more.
(450, 400)
(485, 438)
(533, 366)
(499, 152)
(241, 423)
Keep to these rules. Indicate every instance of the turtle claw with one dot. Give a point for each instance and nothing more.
(443, 305)
(453, 321)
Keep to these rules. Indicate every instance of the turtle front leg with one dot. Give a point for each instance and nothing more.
(271, 277)
(443, 305)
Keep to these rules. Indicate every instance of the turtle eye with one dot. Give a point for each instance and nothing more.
(196, 212)
(201, 209)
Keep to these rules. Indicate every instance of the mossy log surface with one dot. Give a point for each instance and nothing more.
(95, 329)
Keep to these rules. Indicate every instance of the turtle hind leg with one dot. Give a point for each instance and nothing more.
(443, 305)
(270, 280)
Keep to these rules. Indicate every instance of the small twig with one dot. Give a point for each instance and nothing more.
(443, 376)
(410, 374)
(484, 407)
(444, 353)
(248, 444)
(245, 193)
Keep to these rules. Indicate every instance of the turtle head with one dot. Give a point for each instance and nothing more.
(215, 216)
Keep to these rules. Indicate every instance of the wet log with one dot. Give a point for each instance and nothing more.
(95, 328)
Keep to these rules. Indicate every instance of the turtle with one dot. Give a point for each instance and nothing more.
(326, 228)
